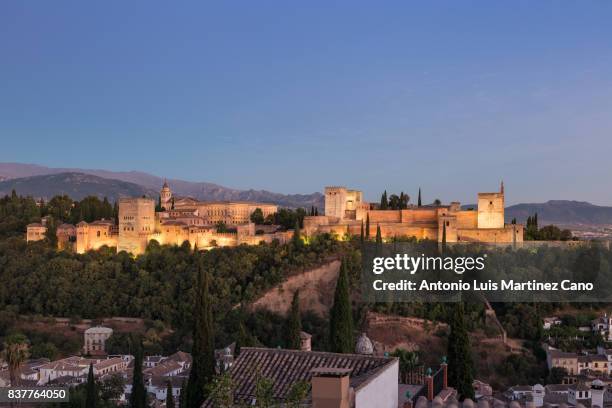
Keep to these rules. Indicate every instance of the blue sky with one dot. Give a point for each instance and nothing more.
(289, 97)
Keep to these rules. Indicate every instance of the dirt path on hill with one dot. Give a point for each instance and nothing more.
(316, 287)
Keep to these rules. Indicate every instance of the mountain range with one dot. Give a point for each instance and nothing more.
(40, 181)
(562, 212)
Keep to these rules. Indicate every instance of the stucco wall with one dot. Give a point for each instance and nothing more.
(381, 391)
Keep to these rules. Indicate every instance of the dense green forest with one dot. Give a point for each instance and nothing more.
(157, 285)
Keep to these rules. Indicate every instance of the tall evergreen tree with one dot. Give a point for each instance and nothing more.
(316, 211)
(245, 338)
(90, 389)
(384, 203)
(294, 323)
(296, 240)
(183, 395)
(138, 398)
(169, 396)
(116, 212)
(341, 316)
(535, 221)
(444, 235)
(367, 227)
(460, 364)
(361, 235)
(378, 234)
(419, 202)
(203, 350)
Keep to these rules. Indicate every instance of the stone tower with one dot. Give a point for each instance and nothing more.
(136, 224)
(166, 196)
(491, 209)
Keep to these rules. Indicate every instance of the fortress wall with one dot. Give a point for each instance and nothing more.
(406, 230)
(97, 243)
(377, 216)
(412, 215)
(467, 219)
(491, 235)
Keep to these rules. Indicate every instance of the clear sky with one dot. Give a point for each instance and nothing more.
(291, 96)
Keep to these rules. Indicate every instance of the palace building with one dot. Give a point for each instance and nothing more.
(180, 219)
(345, 212)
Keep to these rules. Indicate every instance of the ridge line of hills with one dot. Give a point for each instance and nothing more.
(40, 181)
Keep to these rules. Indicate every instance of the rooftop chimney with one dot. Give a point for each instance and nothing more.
(330, 387)
(305, 341)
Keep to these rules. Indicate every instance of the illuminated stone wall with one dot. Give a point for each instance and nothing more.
(486, 224)
(490, 210)
(136, 224)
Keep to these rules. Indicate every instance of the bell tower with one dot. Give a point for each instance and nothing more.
(166, 196)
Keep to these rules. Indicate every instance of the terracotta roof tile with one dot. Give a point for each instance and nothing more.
(286, 367)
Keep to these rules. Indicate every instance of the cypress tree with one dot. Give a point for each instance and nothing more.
(169, 396)
(294, 323)
(378, 234)
(297, 235)
(367, 229)
(535, 221)
(444, 233)
(138, 398)
(116, 212)
(203, 350)
(90, 389)
(316, 211)
(341, 316)
(460, 365)
(244, 338)
(384, 203)
(419, 202)
(183, 395)
(362, 236)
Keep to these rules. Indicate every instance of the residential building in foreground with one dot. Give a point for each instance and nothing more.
(337, 380)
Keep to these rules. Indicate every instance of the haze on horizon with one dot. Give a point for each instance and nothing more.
(452, 97)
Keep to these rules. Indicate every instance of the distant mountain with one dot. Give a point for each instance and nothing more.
(562, 212)
(150, 183)
(76, 185)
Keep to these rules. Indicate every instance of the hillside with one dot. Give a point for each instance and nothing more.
(76, 185)
(149, 182)
(562, 212)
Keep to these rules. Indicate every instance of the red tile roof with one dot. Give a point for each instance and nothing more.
(286, 367)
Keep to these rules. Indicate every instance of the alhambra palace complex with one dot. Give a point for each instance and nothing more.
(186, 219)
(345, 211)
